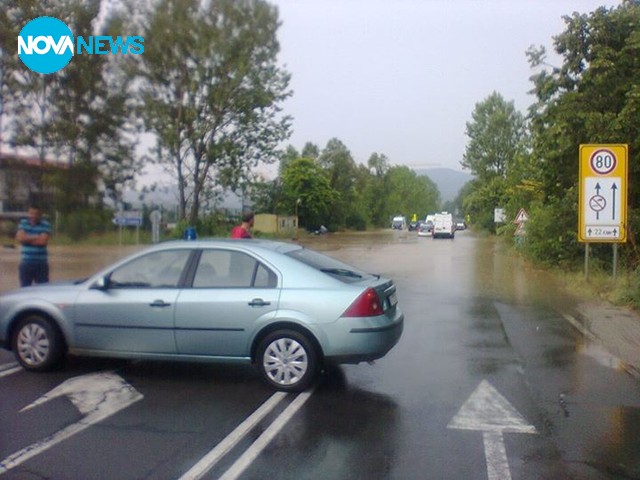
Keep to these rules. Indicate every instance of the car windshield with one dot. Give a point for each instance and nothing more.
(328, 265)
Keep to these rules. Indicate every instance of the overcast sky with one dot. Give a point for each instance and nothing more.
(402, 77)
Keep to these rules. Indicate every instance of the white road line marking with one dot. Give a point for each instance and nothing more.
(9, 369)
(496, 456)
(210, 459)
(263, 440)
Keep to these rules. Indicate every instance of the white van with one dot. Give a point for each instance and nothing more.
(443, 225)
(399, 223)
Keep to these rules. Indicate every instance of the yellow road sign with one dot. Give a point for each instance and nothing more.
(603, 193)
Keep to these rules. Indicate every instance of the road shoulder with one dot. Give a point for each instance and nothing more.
(614, 327)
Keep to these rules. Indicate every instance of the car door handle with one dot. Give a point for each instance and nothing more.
(258, 302)
(159, 303)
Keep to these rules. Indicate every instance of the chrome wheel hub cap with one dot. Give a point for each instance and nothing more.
(33, 344)
(285, 361)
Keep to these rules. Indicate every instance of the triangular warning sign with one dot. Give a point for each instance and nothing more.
(521, 217)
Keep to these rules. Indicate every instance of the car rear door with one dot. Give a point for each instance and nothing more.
(232, 295)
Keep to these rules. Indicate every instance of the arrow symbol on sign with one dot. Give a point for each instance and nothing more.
(97, 396)
(614, 187)
(490, 413)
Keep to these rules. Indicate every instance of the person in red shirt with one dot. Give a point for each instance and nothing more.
(244, 229)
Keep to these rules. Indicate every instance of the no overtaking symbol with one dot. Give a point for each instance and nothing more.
(597, 203)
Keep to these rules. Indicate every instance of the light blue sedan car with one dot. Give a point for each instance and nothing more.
(285, 308)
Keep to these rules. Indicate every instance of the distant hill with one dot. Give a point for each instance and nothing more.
(449, 181)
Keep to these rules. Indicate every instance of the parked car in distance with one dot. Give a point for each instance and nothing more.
(426, 229)
(443, 226)
(285, 308)
(460, 224)
(399, 223)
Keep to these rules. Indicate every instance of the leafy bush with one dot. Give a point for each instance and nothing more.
(356, 221)
(551, 233)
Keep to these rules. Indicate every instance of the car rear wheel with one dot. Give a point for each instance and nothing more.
(37, 344)
(287, 360)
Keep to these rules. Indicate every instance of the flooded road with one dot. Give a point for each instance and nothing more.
(493, 270)
(65, 262)
(489, 381)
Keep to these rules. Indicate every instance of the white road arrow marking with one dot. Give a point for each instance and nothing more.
(489, 412)
(97, 396)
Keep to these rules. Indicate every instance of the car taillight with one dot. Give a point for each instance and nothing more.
(366, 305)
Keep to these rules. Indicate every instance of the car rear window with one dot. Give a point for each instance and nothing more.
(330, 266)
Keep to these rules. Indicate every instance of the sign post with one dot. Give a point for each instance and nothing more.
(520, 221)
(129, 218)
(603, 197)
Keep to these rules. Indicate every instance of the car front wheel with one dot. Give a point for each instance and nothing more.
(287, 360)
(37, 344)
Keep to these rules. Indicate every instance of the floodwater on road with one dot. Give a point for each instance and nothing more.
(496, 271)
(66, 262)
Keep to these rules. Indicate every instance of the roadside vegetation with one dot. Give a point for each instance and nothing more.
(591, 95)
(209, 93)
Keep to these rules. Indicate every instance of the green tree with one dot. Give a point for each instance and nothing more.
(306, 184)
(592, 97)
(341, 170)
(289, 155)
(495, 136)
(495, 154)
(211, 91)
(78, 114)
(9, 64)
(378, 166)
(407, 193)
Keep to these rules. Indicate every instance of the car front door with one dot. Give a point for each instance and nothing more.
(134, 312)
(232, 295)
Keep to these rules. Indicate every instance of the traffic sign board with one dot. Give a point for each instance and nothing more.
(603, 193)
(521, 217)
(129, 218)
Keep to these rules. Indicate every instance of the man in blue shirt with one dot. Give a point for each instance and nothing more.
(33, 235)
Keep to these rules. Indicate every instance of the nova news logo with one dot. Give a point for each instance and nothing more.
(46, 45)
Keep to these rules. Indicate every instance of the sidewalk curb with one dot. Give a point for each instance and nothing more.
(579, 325)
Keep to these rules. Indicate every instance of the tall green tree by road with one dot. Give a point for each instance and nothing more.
(497, 145)
(593, 96)
(307, 190)
(78, 114)
(9, 60)
(495, 133)
(337, 162)
(378, 165)
(212, 91)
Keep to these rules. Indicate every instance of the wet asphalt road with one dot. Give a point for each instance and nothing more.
(489, 381)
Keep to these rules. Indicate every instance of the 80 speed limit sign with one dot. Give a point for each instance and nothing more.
(603, 161)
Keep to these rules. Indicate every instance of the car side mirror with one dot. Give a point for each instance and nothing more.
(101, 284)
